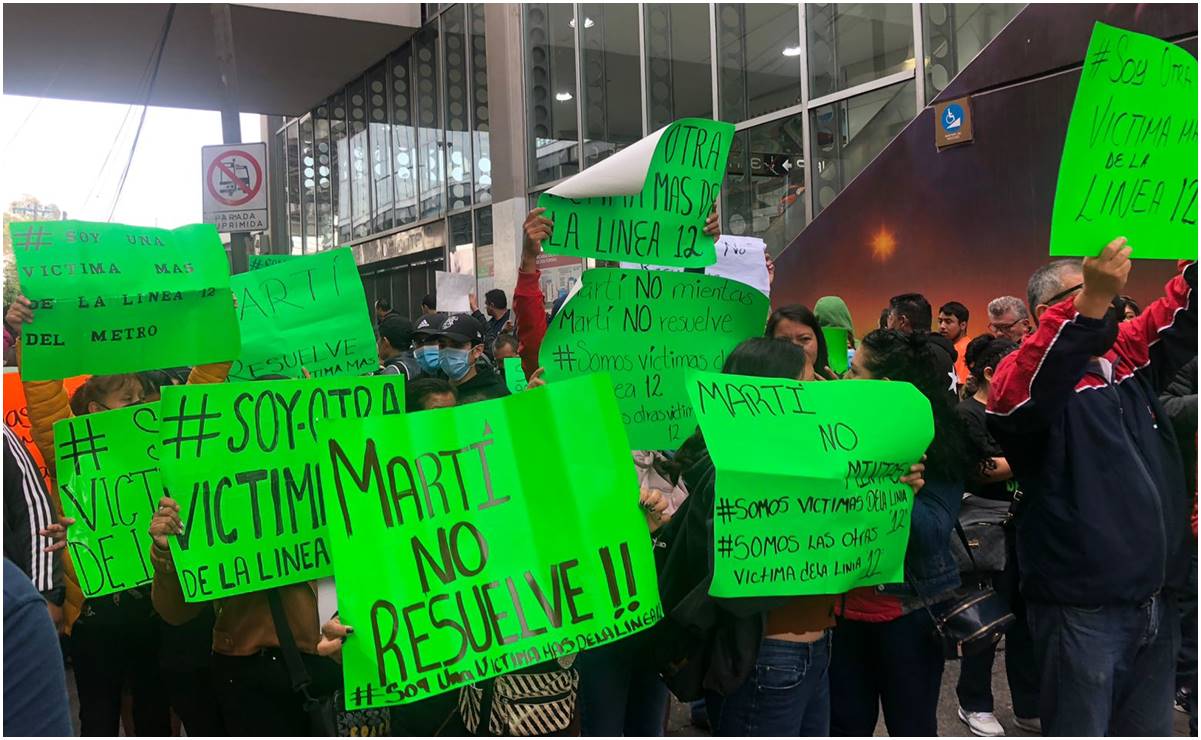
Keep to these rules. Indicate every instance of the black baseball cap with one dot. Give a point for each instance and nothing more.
(428, 325)
(397, 330)
(461, 327)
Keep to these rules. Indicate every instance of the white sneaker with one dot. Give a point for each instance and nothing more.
(982, 724)
(1029, 724)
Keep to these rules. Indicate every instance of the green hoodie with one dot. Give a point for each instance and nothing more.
(832, 311)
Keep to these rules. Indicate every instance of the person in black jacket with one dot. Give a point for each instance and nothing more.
(1102, 528)
(910, 313)
(461, 356)
(27, 511)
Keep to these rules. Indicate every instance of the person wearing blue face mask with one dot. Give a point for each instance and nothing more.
(461, 347)
(425, 344)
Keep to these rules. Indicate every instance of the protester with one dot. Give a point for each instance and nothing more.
(1009, 318)
(505, 346)
(797, 325)
(884, 648)
(461, 351)
(28, 510)
(424, 394)
(383, 310)
(952, 325)
(429, 304)
(35, 685)
(497, 317)
(394, 349)
(1105, 516)
(990, 477)
(425, 344)
(154, 380)
(1130, 308)
(832, 312)
(909, 313)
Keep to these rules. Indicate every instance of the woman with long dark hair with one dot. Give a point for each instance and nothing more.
(797, 325)
(884, 649)
(761, 663)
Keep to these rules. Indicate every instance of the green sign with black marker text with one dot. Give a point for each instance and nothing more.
(108, 481)
(242, 461)
(1129, 164)
(459, 555)
(659, 221)
(824, 521)
(109, 298)
(647, 329)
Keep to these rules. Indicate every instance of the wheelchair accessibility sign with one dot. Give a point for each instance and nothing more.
(953, 122)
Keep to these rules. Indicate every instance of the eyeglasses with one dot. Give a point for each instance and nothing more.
(1063, 294)
(1005, 327)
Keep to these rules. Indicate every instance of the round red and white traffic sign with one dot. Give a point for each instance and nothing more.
(234, 178)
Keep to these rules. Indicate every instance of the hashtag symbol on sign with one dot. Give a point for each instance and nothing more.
(31, 241)
(1098, 59)
(565, 357)
(725, 511)
(86, 445)
(190, 427)
(725, 546)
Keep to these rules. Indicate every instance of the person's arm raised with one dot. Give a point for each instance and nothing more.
(527, 296)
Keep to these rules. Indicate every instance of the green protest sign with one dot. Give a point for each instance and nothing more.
(109, 483)
(309, 312)
(836, 348)
(514, 375)
(459, 555)
(111, 299)
(647, 203)
(1129, 164)
(259, 261)
(647, 329)
(819, 522)
(243, 463)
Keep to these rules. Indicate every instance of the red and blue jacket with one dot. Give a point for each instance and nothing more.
(1105, 512)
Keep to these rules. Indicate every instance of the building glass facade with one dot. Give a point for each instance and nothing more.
(815, 92)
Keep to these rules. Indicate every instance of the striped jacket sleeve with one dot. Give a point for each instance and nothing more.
(1163, 338)
(27, 511)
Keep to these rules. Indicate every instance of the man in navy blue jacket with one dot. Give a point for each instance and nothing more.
(1104, 519)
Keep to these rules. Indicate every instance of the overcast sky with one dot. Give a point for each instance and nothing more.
(55, 151)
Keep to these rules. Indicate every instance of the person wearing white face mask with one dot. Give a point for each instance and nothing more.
(460, 348)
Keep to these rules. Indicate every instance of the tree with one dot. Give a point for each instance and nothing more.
(26, 208)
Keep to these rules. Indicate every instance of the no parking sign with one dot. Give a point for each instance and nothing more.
(235, 186)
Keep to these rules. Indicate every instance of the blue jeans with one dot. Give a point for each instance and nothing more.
(788, 694)
(1105, 670)
(619, 694)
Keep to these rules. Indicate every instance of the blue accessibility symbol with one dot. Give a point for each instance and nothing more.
(952, 118)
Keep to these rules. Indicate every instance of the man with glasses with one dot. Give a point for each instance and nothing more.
(1103, 527)
(1008, 318)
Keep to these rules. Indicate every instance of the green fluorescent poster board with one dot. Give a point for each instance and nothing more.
(660, 223)
(109, 483)
(514, 375)
(836, 348)
(1129, 164)
(646, 329)
(117, 299)
(243, 463)
(259, 261)
(830, 518)
(459, 555)
(309, 312)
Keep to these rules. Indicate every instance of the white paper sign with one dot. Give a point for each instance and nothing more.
(453, 290)
(624, 173)
(327, 599)
(741, 258)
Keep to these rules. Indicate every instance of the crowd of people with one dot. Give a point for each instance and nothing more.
(1068, 426)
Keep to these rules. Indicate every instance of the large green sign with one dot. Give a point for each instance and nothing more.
(832, 515)
(109, 483)
(309, 312)
(647, 329)
(259, 261)
(1129, 164)
(243, 463)
(111, 299)
(474, 541)
(658, 220)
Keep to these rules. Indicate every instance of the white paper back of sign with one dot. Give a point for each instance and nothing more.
(741, 258)
(327, 600)
(453, 289)
(624, 173)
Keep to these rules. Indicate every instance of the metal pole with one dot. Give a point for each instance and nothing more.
(231, 126)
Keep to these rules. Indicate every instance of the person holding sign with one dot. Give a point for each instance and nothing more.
(884, 650)
(798, 325)
(760, 663)
(1103, 526)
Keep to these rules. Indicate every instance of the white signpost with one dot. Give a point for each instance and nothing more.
(235, 186)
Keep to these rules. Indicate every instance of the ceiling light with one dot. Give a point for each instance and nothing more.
(792, 51)
(563, 97)
(588, 22)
